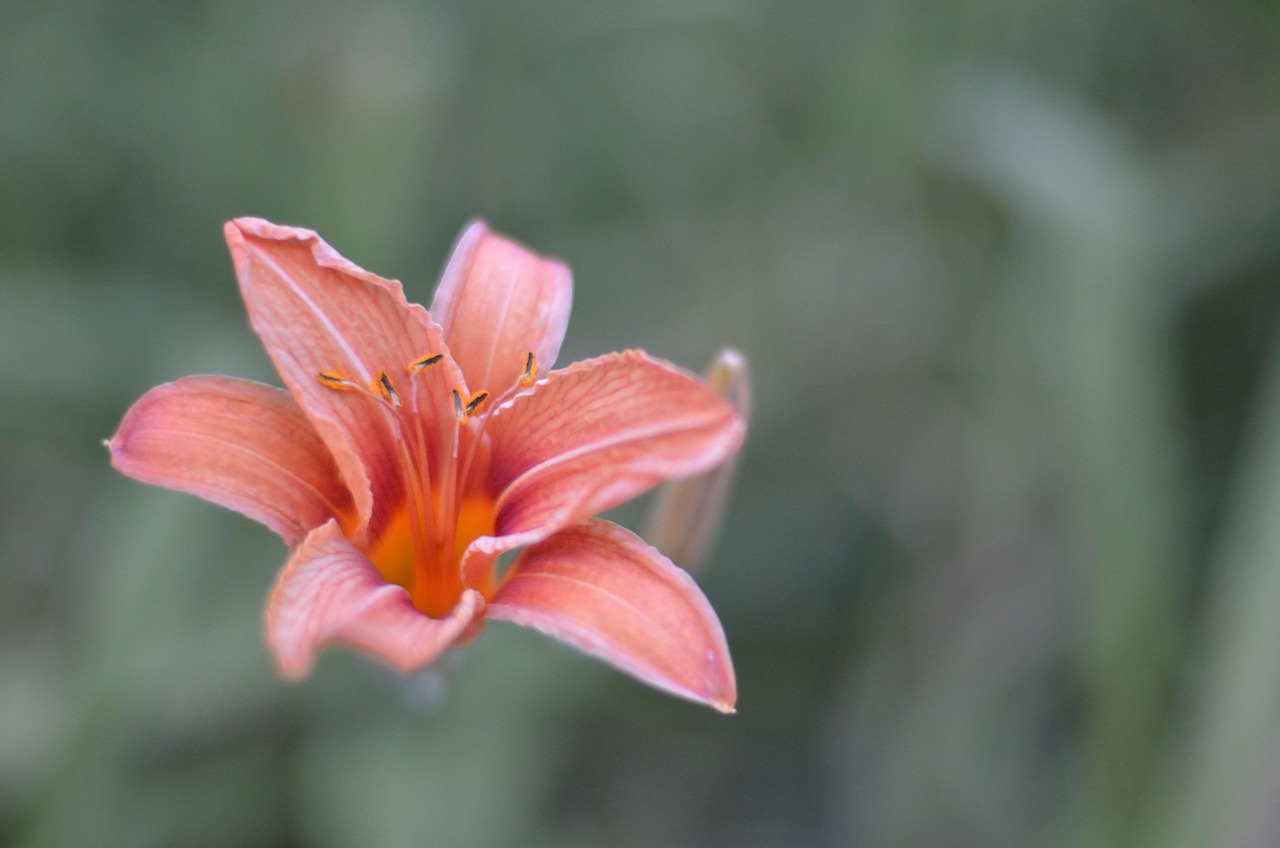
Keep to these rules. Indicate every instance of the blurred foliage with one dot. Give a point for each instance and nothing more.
(1003, 566)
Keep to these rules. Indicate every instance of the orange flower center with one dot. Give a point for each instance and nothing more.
(397, 558)
(421, 547)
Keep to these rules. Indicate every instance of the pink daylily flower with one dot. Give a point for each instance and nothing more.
(411, 448)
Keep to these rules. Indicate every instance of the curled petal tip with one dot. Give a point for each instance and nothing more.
(233, 231)
(475, 228)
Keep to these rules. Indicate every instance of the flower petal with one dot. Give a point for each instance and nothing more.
(499, 301)
(314, 312)
(600, 588)
(596, 434)
(237, 443)
(330, 593)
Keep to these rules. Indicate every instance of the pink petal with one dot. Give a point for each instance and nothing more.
(330, 593)
(600, 588)
(236, 443)
(315, 311)
(498, 301)
(599, 433)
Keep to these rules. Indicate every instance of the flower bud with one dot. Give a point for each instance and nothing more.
(685, 516)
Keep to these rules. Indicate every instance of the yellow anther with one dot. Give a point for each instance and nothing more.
(337, 382)
(476, 400)
(465, 409)
(530, 370)
(382, 385)
(424, 363)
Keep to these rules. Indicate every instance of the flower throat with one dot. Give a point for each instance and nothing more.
(445, 508)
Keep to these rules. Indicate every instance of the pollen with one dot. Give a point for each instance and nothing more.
(419, 365)
(458, 411)
(382, 385)
(530, 370)
(337, 382)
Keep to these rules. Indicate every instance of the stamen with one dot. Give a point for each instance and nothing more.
(474, 404)
(462, 410)
(382, 385)
(337, 382)
(530, 370)
(419, 365)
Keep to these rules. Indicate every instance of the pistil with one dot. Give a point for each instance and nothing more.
(438, 583)
(526, 379)
(426, 596)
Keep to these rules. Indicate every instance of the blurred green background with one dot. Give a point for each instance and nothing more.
(1003, 567)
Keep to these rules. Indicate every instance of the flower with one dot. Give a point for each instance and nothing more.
(410, 449)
